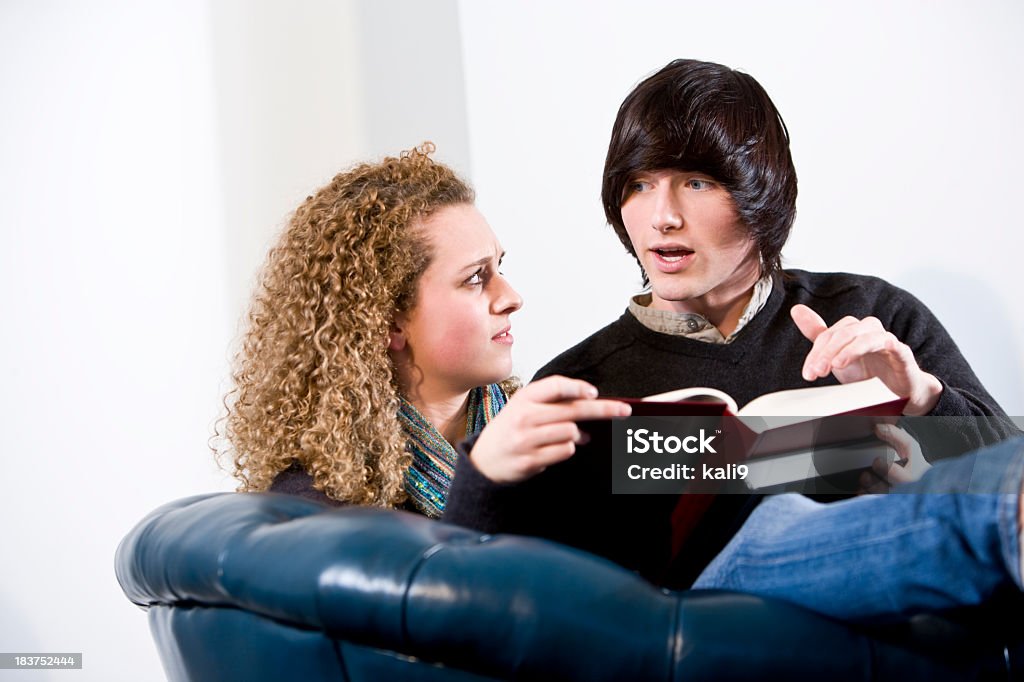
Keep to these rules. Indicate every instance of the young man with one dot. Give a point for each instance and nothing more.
(700, 187)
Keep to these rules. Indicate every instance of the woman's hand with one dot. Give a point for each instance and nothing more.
(537, 428)
(854, 349)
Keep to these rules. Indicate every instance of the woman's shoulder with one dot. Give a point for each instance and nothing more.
(296, 481)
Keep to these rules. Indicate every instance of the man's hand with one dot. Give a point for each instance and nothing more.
(854, 349)
(908, 466)
(538, 428)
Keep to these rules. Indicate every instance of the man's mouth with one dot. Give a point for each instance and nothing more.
(671, 258)
(673, 255)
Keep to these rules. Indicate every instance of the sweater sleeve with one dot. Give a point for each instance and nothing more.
(295, 481)
(475, 501)
(966, 417)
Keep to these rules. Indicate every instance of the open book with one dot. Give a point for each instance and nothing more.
(789, 436)
(797, 404)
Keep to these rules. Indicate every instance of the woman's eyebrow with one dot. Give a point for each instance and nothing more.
(480, 262)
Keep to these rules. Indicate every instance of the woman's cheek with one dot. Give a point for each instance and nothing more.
(454, 339)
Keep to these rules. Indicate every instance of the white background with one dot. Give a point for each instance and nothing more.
(150, 151)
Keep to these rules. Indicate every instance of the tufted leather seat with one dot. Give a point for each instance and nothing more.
(272, 587)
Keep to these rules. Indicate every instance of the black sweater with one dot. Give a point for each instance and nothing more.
(570, 502)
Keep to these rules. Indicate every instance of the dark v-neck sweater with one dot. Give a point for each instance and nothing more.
(570, 502)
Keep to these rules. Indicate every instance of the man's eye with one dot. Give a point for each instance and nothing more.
(638, 186)
(699, 184)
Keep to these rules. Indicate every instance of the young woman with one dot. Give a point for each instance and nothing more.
(380, 337)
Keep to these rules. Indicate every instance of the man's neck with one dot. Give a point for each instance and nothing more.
(725, 315)
(721, 308)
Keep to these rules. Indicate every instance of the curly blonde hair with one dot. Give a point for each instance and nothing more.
(313, 382)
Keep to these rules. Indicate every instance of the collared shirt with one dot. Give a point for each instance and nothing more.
(692, 325)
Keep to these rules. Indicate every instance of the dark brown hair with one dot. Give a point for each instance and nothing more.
(707, 118)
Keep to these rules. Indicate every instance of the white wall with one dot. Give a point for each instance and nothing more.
(149, 154)
(148, 151)
(287, 89)
(115, 321)
(903, 118)
(305, 89)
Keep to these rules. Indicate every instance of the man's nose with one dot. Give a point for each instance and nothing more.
(667, 213)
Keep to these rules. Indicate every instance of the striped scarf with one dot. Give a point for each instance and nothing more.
(433, 458)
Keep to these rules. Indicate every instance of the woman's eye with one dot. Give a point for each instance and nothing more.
(475, 279)
(637, 186)
(698, 184)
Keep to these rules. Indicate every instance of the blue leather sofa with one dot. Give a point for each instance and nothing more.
(272, 587)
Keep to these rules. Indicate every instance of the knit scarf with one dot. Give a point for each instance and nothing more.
(433, 458)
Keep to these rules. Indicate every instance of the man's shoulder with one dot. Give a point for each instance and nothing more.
(831, 284)
(585, 357)
(843, 288)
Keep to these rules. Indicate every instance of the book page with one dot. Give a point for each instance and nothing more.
(820, 401)
(697, 394)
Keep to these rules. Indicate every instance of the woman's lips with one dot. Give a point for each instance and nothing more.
(504, 337)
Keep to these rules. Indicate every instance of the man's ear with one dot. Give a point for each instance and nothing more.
(396, 335)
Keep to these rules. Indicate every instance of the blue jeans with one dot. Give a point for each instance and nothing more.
(878, 556)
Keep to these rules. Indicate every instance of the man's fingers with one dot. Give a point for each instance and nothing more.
(892, 473)
(814, 329)
(901, 441)
(846, 341)
(861, 345)
(807, 321)
(872, 483)
(829, 342)
(840, 335)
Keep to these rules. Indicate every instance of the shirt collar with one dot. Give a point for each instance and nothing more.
(692, 325)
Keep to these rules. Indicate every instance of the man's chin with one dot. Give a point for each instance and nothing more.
(672, 297)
